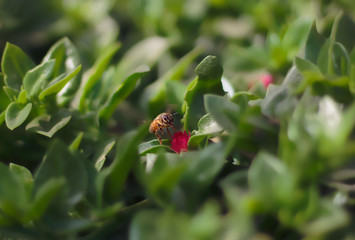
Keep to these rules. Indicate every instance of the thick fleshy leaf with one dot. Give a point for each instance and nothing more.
(61, 163)
(296, 36)
(208, 80)
(152, 146)
(325, 61)
(147, 52)
(48, 125)
(76, 142)
(11, 93)
(314, 44)
(207, 128)
(13, 196)
(65, 55)
(22, 97)
(154, 96)
(94, 75)
(67, 59)
(2, 117)
(280, 100)
(342, 60)
(16, 114)
(352, 72)
(222, 110)
(304, 65)
(35, 78)
(191, 176)
(121, 93)
(270, 179)
(102, 151)
(163, 172)
(345, 32)
(15, 64)
(126, 156)
(203, 168)
(43, 198)
(175, 93)
(26, 177)
(57, 84)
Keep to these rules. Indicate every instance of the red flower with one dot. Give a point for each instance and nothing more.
(267, 79)
(179, 141)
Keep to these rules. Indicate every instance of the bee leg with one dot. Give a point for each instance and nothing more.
(158, 136)
(169, 133)
(173, 127)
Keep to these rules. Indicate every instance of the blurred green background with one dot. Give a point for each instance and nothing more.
(220, 26)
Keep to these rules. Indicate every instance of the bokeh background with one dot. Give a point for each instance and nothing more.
(221, 27)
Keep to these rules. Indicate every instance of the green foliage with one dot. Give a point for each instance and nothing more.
(208, 80)
(268, 158)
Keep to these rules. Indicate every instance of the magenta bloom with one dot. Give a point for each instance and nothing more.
(179, 141)
(267, 79)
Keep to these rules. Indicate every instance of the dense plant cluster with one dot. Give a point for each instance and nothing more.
(264, 146)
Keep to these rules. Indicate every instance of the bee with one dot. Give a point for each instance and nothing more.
(163, 120)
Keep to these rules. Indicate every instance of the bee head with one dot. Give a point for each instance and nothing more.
(167, 118)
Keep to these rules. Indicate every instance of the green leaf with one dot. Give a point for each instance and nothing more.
(296, 35)
(207, 128)
(345, 127)
(13, 196)
(352, 72)
(314, 44)
(57, 84)
(126, 157)
(324, 61)
(330, 218)
(152, 146)
(2, 117)
(48, 125)
(342, 60)
(209, 74)
(248, 58)
(187, 175)
(147, 52)
(61, 164)
(121, 93)
(65, 55)
(95, 74)
(304, 65)
(280, 100)
(22, 97)
(270, 180)
(75, 144)
(11, 93)
(242, 99)
(202, 169)
(209, 70)
(67, 59)
(44, 196)
(16, 114)
(15, 64)
(167, 86)
(163, 175)
(26, 177)
(102, 150)
(175, 92)
(35, 78)
(345, 31)
(221, 110)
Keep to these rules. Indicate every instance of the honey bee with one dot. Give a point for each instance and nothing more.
(163, 120)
